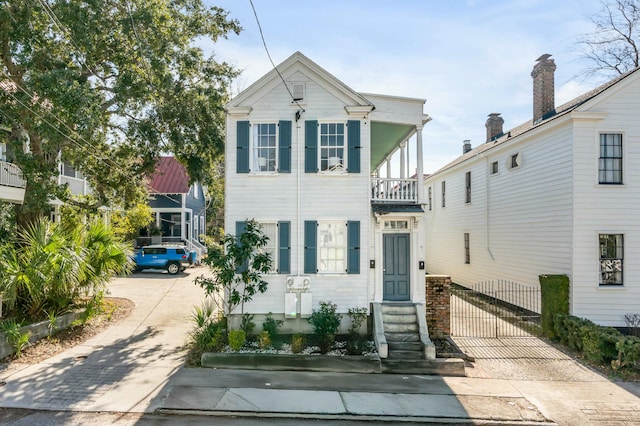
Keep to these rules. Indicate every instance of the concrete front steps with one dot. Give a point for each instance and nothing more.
(409, 349)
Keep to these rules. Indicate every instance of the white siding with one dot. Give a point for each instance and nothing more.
(519, 220)
(607, 209)
(322, 197)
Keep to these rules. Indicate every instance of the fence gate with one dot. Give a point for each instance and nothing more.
(497, 308)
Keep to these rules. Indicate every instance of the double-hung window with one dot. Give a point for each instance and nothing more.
(332, 147)
(265, 148)
(610, 161)
(332, 244)
(611, 259)
(270, 230)
(467, 249)
(467, 183)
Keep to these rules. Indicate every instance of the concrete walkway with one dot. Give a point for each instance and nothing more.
(136, 367)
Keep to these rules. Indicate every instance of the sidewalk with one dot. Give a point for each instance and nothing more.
(346, 396)
(135, 366)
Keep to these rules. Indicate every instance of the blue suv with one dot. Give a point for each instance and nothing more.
(172, 258)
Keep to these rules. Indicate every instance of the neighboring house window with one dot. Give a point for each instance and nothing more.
(68, 170)
(3, 152)
(332, 149)
(611, 259)
(494, 167)
(514, 161)
(610, 162)
(332, 247)
(196, 190)
(430, 198)
(195, 227)
(202, 228)
(467, 180)
(444, 185)
(264, 147)
(467, 250)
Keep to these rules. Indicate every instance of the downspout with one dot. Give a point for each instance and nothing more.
(299, 250)
(486, 207)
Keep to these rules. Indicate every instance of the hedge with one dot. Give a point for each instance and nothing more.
(599, 344)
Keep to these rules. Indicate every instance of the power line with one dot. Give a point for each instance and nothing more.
(89, 145)
(264, 43)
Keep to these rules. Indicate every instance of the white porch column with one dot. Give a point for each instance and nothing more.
(403, 171)
(183, 218)
(419, 166)
(388, 168)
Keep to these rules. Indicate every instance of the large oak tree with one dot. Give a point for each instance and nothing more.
(108, 86)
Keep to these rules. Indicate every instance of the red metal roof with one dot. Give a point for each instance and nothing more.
(170, 177)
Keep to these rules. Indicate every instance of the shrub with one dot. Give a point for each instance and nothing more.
(248, 324)
(633, 324)
(264, 340)
(237, 339)
(555, 300)
(271, 325)
(325, 323)
(297, 343)
(15, 336)
(357, 343)
(628, 353)
(599, 343)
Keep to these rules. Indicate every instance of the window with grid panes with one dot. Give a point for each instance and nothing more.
(611, 259)
(332, 244)
(265, 147)
(610, 161)
(332, 148)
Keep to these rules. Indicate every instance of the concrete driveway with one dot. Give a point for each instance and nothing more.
(123, 368)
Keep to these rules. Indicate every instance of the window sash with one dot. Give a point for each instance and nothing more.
(332, 247)
(611, 259)
(443, 194)
(610, 161)
(270, 230)
(265, 148)
(332, 147)
(467, 249)
(468, 187)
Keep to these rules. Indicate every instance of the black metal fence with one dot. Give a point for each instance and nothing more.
(497, 308)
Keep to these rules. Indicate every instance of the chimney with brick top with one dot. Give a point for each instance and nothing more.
(494, 126)
(543, 88)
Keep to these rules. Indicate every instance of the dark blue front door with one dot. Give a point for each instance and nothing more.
(396, 267)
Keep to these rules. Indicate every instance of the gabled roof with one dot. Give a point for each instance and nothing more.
(561, 111)
(283, 69)
(170, 177)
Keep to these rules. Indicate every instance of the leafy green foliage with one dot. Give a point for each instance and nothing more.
(109, 88)
(264, 340)
(271, 325)
(247, 324)
(237, 265)
(297, 343)
(555, 300)
(54, 267)
(237, 339)
(18, 339)
(325, 322)
(210, 333)
(357, 343)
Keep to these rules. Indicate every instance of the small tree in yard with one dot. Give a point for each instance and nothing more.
(237, 264)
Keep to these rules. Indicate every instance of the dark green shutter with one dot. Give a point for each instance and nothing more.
(310, 246)
(241, 227)
(285, 147)
(353, 143)
(284, 247)
(311, 146)
(242, 156)
(353, 246)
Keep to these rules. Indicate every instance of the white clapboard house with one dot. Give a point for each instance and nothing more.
(558, 194)
(310, 159)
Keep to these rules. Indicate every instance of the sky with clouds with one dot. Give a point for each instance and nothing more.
(467, 58)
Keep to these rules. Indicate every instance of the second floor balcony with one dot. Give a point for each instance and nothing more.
(394, 190)
(12, 184)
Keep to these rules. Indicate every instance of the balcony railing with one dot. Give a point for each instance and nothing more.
(77, 186)
(394, 190)
(11, 175)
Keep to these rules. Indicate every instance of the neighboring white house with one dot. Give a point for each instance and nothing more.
(559, 194)
(309, 158)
